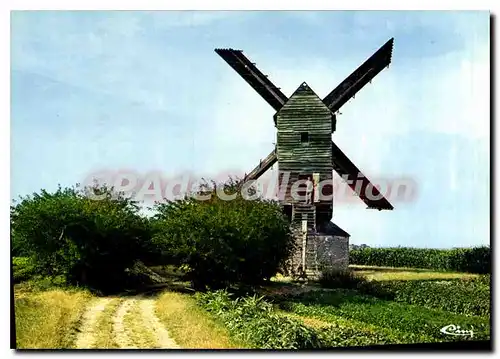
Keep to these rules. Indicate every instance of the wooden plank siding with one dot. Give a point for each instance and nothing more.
(304, 112)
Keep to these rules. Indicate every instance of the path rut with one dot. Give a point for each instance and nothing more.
(134, 325)
(86, 337)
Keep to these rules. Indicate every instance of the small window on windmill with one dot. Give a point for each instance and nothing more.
(304, 138)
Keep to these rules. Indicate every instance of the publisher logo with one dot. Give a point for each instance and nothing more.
(453, 329)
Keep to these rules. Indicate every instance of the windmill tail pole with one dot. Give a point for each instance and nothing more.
(304, 244)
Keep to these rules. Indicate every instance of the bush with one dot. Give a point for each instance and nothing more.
(331, 278)
(223, 242)
(23, 269)
(42, 283)
(473, 260)
(254, 321)
(88, 242)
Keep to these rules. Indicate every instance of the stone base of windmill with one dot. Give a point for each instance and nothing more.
(322, 252)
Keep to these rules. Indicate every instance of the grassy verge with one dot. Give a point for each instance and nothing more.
(106, 339)
(48, 319)
(408, 323)
(190, 326)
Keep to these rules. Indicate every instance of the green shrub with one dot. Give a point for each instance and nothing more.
(254, 321)
(331, 278)
(222, 242)
(23, 269)
(473, 260)
(87, 241)
(41, 283)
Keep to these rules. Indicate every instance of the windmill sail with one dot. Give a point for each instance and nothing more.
(359, 78)
(344, 167)
(253, 77)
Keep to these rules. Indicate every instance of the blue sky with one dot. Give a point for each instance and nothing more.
(145, 91)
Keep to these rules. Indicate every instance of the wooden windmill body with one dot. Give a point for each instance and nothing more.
(304, 149)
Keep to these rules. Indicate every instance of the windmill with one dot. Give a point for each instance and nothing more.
(304, 147)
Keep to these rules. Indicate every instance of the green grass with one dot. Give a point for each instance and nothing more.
(407, 323)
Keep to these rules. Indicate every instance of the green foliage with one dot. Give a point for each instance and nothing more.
(351, 320)
(23, 269)
(407, 323)
(221, 242)
(353, 335)
(463, 296)
(350, 332)
(254, 321)
(42, 283)
(472, 260)
(71, 234)
(331, 278)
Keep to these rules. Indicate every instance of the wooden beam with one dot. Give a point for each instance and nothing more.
(359, 78)
(262, 167)
(344, 167)
(253, 76)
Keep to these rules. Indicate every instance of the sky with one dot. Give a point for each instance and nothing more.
(144, 91)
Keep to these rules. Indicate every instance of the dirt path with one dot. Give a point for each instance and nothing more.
(87, 335)
(121, 333)
(150, 320)
(133, 324)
